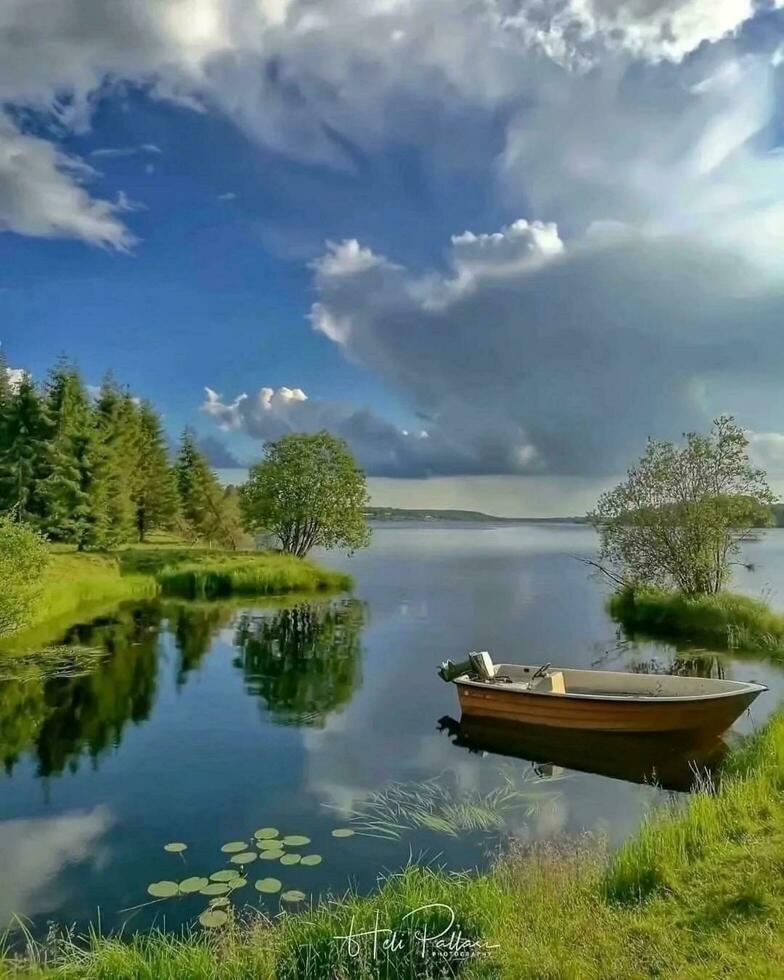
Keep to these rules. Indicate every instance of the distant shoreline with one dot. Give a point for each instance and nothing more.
(467, 516)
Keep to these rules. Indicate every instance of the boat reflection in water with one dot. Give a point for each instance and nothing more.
(673, 762)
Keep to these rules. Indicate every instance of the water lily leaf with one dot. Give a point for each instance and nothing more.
(234, 846)
(215, 888)
(236, 883)
(194, 884)
(163, 889)
(218, 903)
(225, 875)
(272, 855)
(245, 858)
(293, 895)
(176, 847)
(266, 833)
(290, 859)
(213, 918)
(296, 840)
(269, 885)
(311, 859)
(270, 845)
(343, 832)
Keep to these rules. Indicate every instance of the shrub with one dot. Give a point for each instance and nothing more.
(23, 559)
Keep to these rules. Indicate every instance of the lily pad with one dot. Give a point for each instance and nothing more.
(270, 845)
(213, 918)
(268, 885)
(163, 889)
(343, 832)
(191, 885)
(234, 847)
(290, 859)
(296, 840)
(245, 858)
(293, 895)
(226, 875)
(218, 903)
(266, 833)
(311, 859)
(176, 847)
(215, 888)
(272, 855)
(236, 883)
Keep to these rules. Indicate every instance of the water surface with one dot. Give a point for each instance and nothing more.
(200, 723)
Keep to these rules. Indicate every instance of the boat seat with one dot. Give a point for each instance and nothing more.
(550, 683)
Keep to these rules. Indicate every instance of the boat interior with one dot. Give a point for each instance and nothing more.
(546, 679)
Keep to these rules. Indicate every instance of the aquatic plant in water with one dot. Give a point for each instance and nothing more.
(221, 884)
(435, 805)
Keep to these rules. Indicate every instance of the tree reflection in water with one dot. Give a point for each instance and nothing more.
(59, 717)
(304, 662)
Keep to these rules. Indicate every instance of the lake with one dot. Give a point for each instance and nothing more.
(203, 723)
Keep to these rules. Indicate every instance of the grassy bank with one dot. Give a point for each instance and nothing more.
(726, 621)
(698, 893)
(77, 586)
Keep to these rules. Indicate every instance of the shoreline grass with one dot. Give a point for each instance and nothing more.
(697, 893)
(82, 585)
(725, 621)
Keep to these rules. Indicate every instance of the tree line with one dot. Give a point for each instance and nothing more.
(94, 470)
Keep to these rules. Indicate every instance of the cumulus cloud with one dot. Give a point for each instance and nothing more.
(42, 193)
(560, 359)
(310, 81)
(382, 448)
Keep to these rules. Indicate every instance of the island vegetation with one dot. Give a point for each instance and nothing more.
(95, 506)
(671, 533)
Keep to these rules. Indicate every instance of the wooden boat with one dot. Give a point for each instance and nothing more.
(597, 700)
(674, 761)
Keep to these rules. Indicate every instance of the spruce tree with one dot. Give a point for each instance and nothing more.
(155, 495)
(117, 466)
(23, 453)
(71, 456)
(206, 514)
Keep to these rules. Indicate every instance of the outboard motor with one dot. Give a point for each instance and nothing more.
(448, 671)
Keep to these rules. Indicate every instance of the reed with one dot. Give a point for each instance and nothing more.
(724, 621)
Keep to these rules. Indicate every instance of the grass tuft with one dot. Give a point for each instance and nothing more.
(725, 621)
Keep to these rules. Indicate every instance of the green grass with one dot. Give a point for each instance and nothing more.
(79, 586)
(698, 893)
(725, 621)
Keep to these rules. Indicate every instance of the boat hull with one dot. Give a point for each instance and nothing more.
(604, 714)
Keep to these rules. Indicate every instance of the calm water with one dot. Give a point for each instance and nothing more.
(201, 723)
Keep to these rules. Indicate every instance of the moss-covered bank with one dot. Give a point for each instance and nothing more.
(698, 893)
(77, 586)
(725, 621)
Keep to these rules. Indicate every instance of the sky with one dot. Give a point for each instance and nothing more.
(495, 246)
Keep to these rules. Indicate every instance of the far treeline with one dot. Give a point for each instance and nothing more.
(95, 471)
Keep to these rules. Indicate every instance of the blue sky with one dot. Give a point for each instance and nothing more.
(494, 248)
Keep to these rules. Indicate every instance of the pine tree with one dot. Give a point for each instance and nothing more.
(23, 453)
(155, 497)
(205, 512)
(117, 466)
(66, 490)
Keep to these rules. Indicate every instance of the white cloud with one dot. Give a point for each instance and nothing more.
(125, 151)
(382, 448)
(564, 362)
(42, 193)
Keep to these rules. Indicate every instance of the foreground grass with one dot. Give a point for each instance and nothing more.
(77, 586)
(698, 893)
(725, 621)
